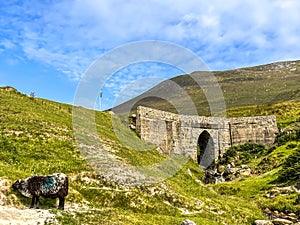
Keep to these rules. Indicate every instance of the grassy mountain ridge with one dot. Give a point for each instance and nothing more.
(259, 85)
(36, 137)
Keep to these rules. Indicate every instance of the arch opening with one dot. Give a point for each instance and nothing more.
(205, 150)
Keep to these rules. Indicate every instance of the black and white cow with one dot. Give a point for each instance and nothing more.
(52, 186)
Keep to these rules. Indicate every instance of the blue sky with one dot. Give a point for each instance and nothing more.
(46, 46)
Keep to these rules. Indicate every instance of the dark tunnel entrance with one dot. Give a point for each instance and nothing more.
(205, 150)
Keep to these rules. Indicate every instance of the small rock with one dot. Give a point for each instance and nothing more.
(263, 222)
(276, 213)
(292, 214)
(189, 172)
(245, 172)
(188, 222)
(219, 180)
(283, 216)
(133, 127)
(268, 211)
(281, 221)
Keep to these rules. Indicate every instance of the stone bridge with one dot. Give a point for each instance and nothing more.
(204, 139)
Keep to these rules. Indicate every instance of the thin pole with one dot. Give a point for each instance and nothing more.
(100, 99)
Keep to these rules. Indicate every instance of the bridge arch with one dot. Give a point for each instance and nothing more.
(205, 149)
(181, 134)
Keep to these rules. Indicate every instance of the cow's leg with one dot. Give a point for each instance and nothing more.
(61, 204)
(32, 202)
(37, 202)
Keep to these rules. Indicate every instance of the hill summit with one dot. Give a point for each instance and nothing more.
(258, 85)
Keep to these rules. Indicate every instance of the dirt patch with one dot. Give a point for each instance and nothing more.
(14, 216)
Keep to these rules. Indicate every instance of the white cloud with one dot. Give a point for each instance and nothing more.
(136, 79)
(69, 35)
(7, 44)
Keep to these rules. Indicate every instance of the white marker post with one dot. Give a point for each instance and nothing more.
(100, 99)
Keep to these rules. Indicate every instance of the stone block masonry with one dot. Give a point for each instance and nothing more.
(204, 139)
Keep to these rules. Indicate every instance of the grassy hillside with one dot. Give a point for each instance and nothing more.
(259, 85)
(36, 137)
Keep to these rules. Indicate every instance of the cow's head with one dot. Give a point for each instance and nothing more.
(22, 187)
(17, 185)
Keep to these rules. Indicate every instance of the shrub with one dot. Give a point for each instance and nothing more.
(283, 138)
(291, 146)
(226, 190)
(243, 154)
(290, 171)
(229, 155)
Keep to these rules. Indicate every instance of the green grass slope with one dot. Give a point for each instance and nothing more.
(36, 137)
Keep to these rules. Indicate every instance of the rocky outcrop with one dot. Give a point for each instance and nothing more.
(278, 218)
(221, 173)
(277, 221)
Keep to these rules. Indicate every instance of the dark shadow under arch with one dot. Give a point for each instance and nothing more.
(205, 150)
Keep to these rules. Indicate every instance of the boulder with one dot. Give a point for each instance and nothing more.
(263, 222)
(281, 222)
(188, 222)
